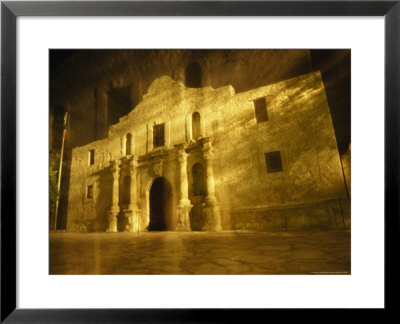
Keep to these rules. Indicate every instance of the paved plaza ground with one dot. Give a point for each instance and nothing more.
(226, 252)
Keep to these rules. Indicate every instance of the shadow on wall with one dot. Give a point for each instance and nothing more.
(103, 201)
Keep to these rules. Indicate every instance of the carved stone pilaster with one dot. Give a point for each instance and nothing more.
(184, 189)
(114, 209)
(132, 213)
(212, 215)
(183, 221)
(209, 157)
(112, 220)
(184, 205)
(133, 188)
(133, 217)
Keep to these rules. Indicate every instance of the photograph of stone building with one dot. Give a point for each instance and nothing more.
(199, 142)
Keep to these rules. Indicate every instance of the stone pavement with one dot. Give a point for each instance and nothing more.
(227, 252)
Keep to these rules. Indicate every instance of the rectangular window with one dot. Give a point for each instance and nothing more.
(260, 107)
(91, 157)
(89, 193)
(273, 161)
(158, 135)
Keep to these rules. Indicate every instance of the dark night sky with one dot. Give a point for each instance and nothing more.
(57, 57)
(335, 67)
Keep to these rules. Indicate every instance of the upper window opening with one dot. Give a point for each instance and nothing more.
(196, 131)
(273, 161)
(128, 144)
(260, 107)
(89, 193)
(91, 157)
(158, 135)
(193, 75)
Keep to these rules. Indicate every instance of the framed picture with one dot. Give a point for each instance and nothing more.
(209, 298)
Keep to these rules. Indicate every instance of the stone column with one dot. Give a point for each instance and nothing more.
(184, 205)
(114, 210)
(133, 211)
(212, 216)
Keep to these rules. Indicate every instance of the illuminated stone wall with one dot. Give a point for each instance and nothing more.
(309, 191)
(300, 127)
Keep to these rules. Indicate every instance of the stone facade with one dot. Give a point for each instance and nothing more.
(97, 87)
(201, 159)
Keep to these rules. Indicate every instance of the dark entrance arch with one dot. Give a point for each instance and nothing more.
(160, 205)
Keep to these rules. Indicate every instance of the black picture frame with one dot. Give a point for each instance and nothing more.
(11, 10)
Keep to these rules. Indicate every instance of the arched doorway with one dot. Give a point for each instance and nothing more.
(160, 205)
